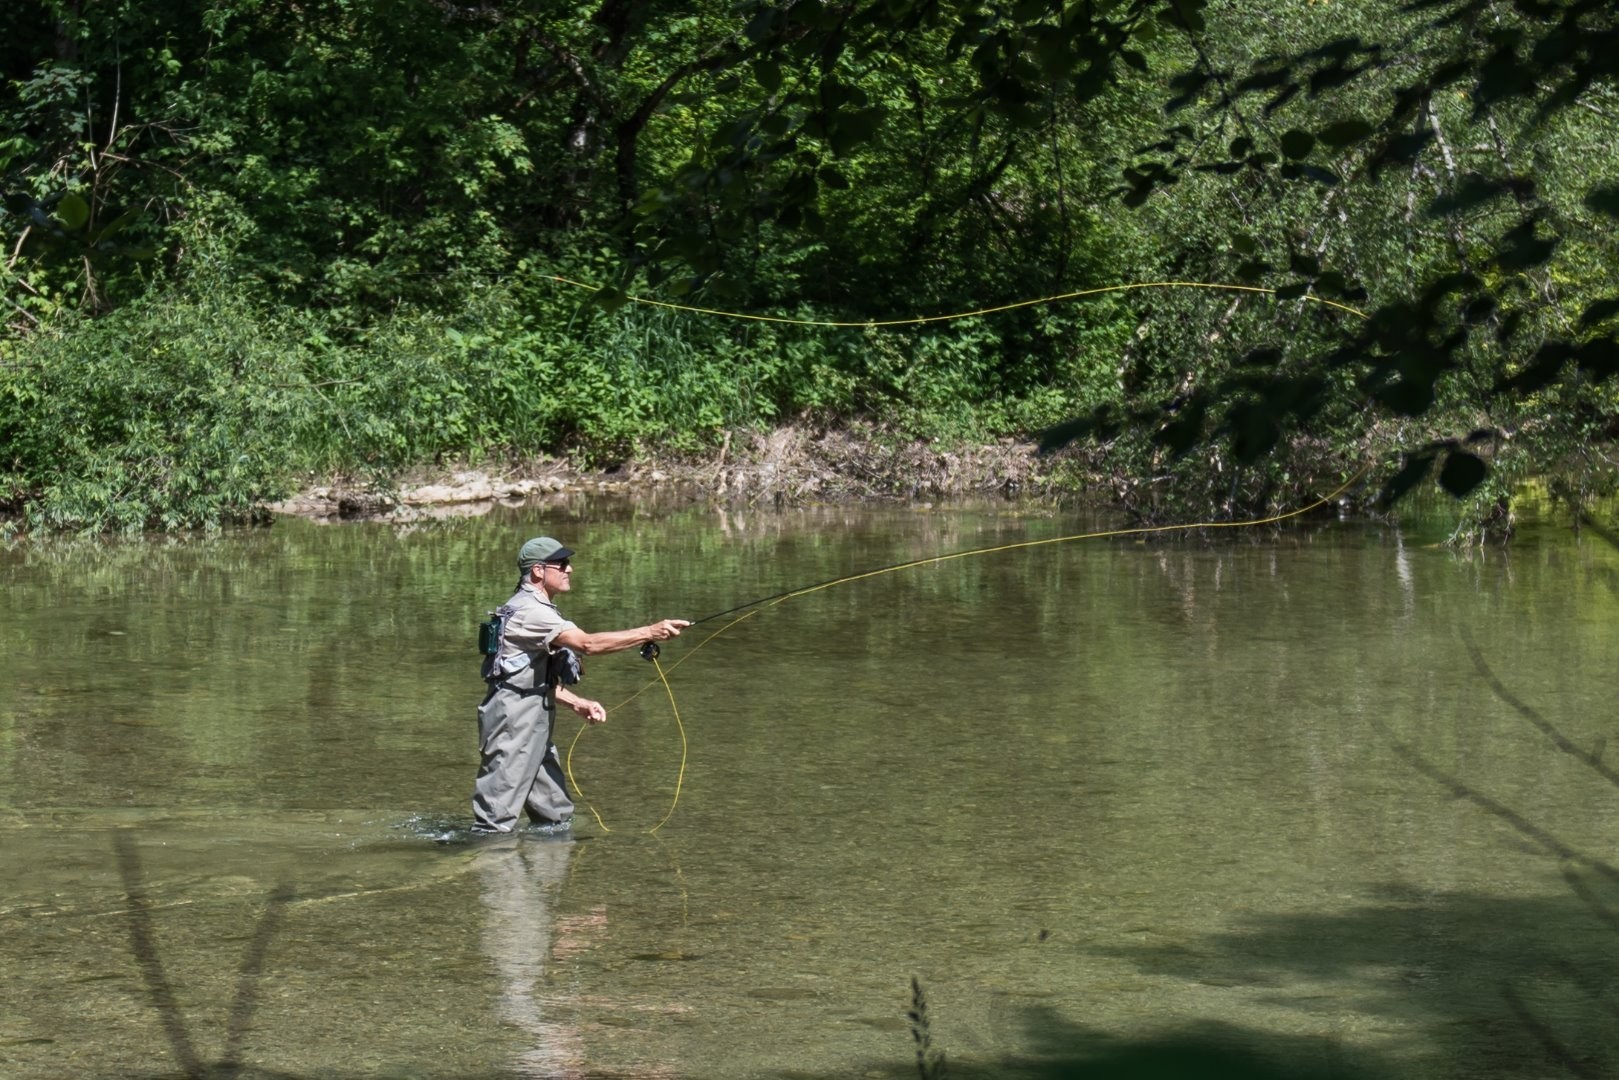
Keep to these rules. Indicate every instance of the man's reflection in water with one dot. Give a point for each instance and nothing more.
(522, 877)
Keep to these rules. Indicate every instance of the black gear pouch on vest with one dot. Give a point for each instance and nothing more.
(563, 667)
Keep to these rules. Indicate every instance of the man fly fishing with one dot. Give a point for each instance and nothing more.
(531, 657)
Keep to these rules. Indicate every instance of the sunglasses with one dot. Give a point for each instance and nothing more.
(566, 566)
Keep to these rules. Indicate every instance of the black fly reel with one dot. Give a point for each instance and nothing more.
(650, 651)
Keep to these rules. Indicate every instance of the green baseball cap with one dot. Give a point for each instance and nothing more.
(542, 549)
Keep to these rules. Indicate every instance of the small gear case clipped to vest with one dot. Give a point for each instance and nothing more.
(489, 633)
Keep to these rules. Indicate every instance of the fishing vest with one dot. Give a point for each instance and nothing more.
(522, 671)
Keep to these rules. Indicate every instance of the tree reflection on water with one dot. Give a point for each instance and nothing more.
(144, 946)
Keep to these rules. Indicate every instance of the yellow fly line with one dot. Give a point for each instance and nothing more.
(919, 320)
(663, 677)
(1140, 530)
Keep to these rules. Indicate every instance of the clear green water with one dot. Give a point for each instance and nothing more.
(1099, 798)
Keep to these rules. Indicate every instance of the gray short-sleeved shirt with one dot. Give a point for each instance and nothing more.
(530, 629)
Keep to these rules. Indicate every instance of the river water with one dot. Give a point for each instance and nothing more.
(1331, 802)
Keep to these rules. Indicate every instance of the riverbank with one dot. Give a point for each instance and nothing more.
(787, 465)
(796, 465)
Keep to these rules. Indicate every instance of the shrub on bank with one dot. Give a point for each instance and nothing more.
(194, 406)
(168, 413)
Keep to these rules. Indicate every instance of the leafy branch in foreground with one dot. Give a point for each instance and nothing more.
(1443, 166)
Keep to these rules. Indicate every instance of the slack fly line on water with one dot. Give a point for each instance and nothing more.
(753, 607)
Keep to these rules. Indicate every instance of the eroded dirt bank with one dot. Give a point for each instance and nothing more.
(787, 465)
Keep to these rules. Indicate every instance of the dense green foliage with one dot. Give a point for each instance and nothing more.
(248, 242)
(1429, 166)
